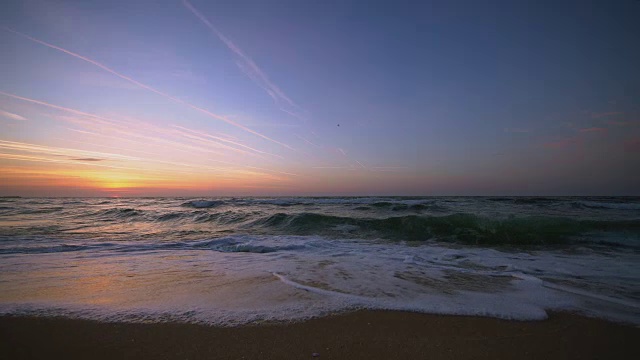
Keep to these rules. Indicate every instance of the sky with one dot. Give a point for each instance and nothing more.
(275, 98)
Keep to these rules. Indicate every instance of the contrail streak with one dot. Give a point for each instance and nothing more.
(75, 153)
(108, 121)
(201, 140)
(102, 120)
(116, 127)
(308, 142)
(359, 163)
(33, 148)
(12, 116)
(249, 67)
(55, 106)
(225, 140)
(149, 88)
(41, 159)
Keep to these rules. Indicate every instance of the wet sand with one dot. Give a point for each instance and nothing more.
(358, 335)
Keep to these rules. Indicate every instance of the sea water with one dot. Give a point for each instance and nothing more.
(232, 261)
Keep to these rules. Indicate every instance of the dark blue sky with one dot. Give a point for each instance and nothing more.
(432, 97)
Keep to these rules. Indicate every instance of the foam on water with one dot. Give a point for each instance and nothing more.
(609, 205)
(246, 278)
(230, 261)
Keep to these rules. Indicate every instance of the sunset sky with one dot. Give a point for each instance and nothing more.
(259, 97)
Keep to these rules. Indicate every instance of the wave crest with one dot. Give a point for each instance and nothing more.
(462, 227)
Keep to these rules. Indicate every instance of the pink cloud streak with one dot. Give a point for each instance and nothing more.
(149, 88)
(12, 116)
(109, 122)
(593, 130)
(563, 143)
(605, 114)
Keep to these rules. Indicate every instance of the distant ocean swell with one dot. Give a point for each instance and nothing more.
(458, 227)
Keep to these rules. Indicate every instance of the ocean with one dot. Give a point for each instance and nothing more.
(233, 261)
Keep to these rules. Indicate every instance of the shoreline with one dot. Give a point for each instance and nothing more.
(364, 334)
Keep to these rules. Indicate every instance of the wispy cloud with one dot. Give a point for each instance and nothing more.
(74, 154)
(593, 130)
(120, 148)
(577, 140)
(517, 130)
(149, 88)
(51, 154)
(359, 163)
(251, 69)
(388, 168)
(100, 79)
(53, 106)
(144, 134)
(217, 140)
(103, 121)
(307, 141)
(350, 167)
(36, 158)
(362, 167)
(11, 116)
(225, 140)
(140, 135)
(88, 159)
(563, 143)
(623, 123)
(605, 114)
(121, 129)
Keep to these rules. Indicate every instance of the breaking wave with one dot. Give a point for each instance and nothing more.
(467, 228)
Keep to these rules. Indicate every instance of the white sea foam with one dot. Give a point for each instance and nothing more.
(336, 201)
(241, 279)
(609, 205)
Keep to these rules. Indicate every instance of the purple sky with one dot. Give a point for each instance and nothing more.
(145, 98)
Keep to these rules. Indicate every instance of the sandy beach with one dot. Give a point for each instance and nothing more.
(358, 335)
